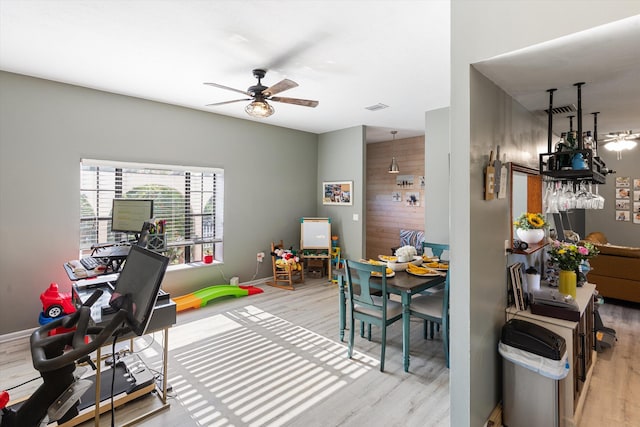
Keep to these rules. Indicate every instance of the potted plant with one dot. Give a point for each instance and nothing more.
(208, 257)
(530, 227)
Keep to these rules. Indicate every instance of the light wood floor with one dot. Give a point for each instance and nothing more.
(275, 359)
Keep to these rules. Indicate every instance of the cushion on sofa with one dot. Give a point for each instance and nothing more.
(605, 248)
(597, 238)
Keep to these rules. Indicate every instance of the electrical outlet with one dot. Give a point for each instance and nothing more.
(260, 256)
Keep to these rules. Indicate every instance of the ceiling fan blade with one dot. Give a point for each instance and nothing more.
(227, 102)
(296, 101)
(281, 86)
(227, 88)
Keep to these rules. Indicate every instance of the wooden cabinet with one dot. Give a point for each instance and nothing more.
(580, 339)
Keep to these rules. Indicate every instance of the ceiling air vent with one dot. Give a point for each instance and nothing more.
(562, 110)
(376, 107)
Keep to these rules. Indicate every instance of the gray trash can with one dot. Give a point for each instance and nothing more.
(534, 359)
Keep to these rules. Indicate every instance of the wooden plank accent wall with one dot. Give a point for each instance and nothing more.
(385, 217)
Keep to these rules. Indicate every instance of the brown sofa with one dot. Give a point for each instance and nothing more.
(616, 270)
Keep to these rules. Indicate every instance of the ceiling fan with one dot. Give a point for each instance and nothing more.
(618, 141)
(260, 94)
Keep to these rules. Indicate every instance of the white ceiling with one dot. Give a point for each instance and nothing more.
(346, 54)
(605, 58)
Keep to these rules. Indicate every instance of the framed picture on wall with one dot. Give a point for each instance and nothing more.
(337, 193)
(623, 181)
(623, 216)
(412, 198)
(622, 204)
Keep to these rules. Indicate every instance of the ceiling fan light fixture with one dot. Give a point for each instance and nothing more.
(622, 141)
(259, 109)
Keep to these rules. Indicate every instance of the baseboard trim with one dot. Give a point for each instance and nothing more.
(17, 335)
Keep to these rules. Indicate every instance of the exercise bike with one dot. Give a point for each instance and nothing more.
(57, 398)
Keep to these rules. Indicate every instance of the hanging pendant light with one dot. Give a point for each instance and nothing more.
(393, 167)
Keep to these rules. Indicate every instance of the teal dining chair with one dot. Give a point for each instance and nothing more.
(366, 307)
(436, 248)
(434, 309)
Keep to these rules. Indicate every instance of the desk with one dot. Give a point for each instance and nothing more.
(162, 318)
(403, 284)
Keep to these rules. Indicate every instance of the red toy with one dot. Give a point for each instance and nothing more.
(56, 304)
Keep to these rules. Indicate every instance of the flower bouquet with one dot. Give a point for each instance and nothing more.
(568, 257)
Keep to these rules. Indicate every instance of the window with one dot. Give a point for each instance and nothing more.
(188, 199)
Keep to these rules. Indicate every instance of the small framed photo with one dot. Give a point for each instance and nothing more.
(623, 181)
(396, 196)
(404, 181)
(412, 198)
(622, 204)
(636, 184)
(337, 193)
(623, 193)
(623, 216)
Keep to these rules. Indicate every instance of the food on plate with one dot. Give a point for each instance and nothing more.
(438, 265)
(375, 262)
(389, 272)
(388, 258)
(420, 270)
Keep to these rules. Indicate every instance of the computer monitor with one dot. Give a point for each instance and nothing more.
(137, 286)
(129, 215)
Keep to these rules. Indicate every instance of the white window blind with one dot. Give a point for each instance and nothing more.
(189, 199)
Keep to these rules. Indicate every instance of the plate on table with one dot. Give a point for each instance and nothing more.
(388, 258)
(431, 273)
(440, 266)
(430, 259)
(422, 271)
(390, 273)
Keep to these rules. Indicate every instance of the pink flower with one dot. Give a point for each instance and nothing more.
(583, 251)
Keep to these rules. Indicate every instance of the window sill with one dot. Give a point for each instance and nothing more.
(197, 264)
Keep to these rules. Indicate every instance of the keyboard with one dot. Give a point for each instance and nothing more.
(89, 262)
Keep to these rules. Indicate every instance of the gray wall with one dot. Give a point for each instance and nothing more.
(478, 228)
(341, 157)
(617, 232)
(46, 128)
(437, 172)
(495, 119)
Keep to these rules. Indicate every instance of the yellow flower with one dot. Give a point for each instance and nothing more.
(535, 220)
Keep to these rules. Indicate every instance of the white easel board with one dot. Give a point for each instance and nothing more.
(315, 233)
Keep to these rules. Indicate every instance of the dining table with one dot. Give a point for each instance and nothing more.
(401, 283)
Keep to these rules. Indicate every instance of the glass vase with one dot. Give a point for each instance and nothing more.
(567, 282)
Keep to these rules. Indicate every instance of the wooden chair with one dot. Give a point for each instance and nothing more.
(434, 309)
(284, 275)
(369, 308)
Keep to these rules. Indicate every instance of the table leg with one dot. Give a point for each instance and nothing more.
(342, 306)
(406, 321)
